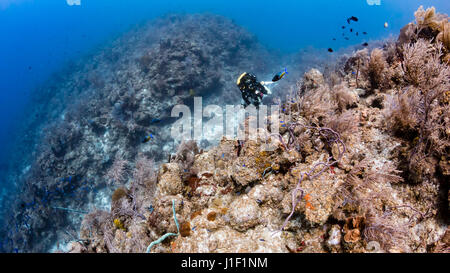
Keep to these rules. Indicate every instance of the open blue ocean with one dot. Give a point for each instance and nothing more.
(55, 54)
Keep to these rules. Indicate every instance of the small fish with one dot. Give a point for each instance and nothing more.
(330, 50)
(147, 138)
(280, 75)
(346, 38)
(357, 34)
(365, 33)
(365, 44)
(66, 179)
(353, 18)
(343, 27)
(351, 30)
(386, 25)
(334, 39)
(155, 120)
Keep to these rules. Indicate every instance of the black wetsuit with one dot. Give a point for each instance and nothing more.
(252, 91)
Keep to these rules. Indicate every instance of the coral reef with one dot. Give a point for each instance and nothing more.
(360, 163)
(359, 167)
(99, 110)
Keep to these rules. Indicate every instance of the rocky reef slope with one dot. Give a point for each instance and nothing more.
(361, 164)
(84, 130)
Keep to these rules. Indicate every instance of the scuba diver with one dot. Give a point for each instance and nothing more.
(253, 91)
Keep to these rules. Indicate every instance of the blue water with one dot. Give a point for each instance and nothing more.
(39, 37)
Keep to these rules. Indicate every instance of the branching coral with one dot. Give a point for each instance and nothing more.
(317, 104)
(377, 70)
(144, 173)
(367, 192)
(331, 138)
(344, 97)
(444, 38)
(346, 124)
(399, 112)
(431, 80)
(116, 172)
(385, 231)
(428, 25)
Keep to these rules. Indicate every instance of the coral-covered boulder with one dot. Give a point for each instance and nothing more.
(169, 179)
(312, 79)
(244, 213)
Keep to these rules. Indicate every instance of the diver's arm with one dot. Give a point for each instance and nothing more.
(265, 84)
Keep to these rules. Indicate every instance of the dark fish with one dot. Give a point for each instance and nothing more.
(334, 39)
(365, 44)
(365, 33)
(353, 18)
(357, 34)
(346, 38)
(330, 50)
(351, 30)
(29, 68)
(343, 27)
